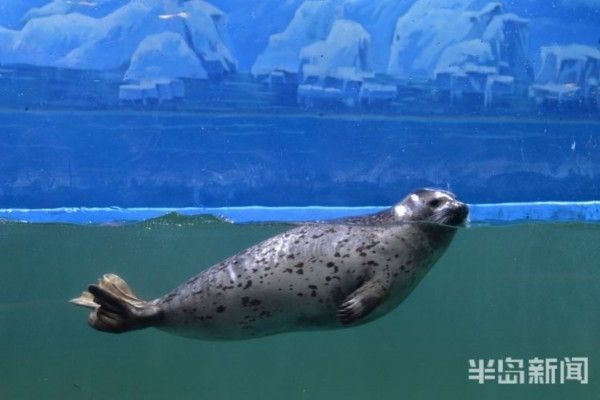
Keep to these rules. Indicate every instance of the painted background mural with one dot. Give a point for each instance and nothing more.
(175, 103)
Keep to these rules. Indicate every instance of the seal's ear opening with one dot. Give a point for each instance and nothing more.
(401, 212)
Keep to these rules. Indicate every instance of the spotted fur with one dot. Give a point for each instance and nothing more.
(315, 276)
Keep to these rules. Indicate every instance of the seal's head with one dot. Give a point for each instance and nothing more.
(432, 205)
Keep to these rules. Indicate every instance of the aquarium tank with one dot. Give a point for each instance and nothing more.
(154, 139)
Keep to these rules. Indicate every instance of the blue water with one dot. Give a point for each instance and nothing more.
(518, 291)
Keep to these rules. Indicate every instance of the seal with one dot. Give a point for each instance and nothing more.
(325, 275)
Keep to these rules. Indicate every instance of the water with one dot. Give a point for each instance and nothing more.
(520, 291)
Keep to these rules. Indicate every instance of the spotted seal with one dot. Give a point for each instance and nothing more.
(325, 275)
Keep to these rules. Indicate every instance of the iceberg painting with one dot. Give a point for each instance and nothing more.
(318, 53)
(568, 74)
(64, 39)
(301, 77)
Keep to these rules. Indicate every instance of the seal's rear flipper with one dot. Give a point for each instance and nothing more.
(116, 308)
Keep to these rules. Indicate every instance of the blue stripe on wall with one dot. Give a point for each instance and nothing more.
(480, 213)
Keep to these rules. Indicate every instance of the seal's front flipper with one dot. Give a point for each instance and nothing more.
(361, 302)
(116, 308)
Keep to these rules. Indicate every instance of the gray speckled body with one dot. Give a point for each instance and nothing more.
(298, 280)
(316, 276)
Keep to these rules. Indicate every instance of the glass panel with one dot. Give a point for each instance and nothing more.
(191, 150)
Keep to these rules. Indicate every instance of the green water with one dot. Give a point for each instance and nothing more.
(519, 291)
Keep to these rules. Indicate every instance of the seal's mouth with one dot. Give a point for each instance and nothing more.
(454, 215)
(460, 215)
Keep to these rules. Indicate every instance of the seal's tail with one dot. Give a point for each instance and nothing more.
(115, 308)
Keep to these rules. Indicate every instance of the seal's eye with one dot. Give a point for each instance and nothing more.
(434, 203)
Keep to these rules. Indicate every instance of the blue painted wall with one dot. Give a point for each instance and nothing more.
(52, 159)
(68, 137)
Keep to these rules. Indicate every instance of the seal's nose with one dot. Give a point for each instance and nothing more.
(461, 212)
